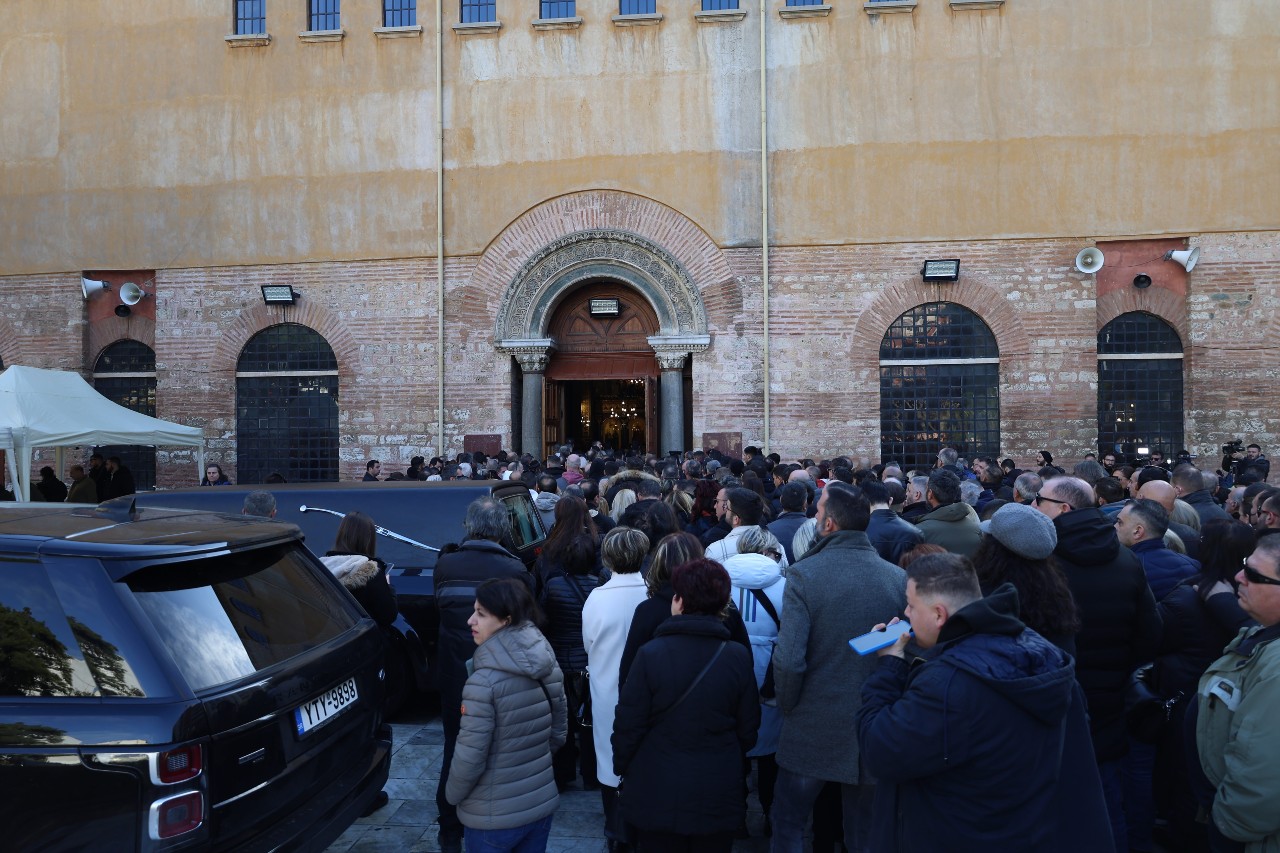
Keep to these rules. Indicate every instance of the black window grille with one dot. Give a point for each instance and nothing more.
(125, 374)
(399, 13)
(324, 15)
(718, 5)
(479, 11)
(638, 7)
(558, 9)
(287, 406)
(939, 385)
(251, 17)
(1139, 387)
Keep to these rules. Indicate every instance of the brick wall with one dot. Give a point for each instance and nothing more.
(830, 309)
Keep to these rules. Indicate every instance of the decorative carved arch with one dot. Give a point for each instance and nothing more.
(227, 353)
(573, 259)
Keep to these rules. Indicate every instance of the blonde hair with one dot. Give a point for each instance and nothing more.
(623, 499)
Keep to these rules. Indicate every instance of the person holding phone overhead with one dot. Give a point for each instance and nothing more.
(986, 745)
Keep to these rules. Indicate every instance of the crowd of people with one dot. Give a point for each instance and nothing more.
(1089, 665)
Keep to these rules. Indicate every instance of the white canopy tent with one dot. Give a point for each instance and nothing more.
(57, 408)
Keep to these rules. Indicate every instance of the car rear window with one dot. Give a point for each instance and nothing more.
(526, 523)
(41, 653)
(230, 616)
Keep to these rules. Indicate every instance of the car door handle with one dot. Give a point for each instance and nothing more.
(255, 756)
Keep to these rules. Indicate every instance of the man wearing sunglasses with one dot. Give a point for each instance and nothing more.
(1119, 623)
(1236, 733)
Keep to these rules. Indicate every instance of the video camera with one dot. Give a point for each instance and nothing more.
(1233, 447)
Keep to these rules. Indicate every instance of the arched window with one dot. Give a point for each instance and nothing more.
(125, 373)
(287, 407)
(939, 385)
(1139, 387)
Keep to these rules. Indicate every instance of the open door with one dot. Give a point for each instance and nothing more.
(652, 427)
(552, 417)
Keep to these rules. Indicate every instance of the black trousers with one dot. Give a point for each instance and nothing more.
(451, 717)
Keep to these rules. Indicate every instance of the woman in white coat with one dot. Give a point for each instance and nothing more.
(606, 618)
(756, 574)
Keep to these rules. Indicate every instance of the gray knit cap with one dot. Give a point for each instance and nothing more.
(1024, 530)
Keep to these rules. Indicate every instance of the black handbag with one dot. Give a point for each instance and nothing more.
(1146, 712)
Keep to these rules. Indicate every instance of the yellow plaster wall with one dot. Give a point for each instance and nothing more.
(131, 136)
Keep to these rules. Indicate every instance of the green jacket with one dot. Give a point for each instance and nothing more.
(1239, 741)
(954, 527)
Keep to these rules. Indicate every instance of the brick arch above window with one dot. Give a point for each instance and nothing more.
(105, 332)
(985, 301)
(259, 317)
(1165, 304)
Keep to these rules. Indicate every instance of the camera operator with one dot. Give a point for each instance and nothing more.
(1237, 459)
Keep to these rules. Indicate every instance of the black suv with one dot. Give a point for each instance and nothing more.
(177, 680)
(429, 514)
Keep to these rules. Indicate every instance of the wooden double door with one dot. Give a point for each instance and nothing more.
(602, 380)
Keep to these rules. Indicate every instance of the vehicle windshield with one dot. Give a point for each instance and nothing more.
(230, 616)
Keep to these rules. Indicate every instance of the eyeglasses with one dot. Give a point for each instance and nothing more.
(1252, 575)
(1042, 498)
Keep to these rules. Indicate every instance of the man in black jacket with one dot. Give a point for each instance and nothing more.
(1119, 623)
(1189, 483)
(459, 571)
(794, 500)
(890, 535)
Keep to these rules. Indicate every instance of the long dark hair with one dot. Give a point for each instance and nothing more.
(573, 539)
(1044, 599)
(657, 521)
(357, 535)
(751, 480)
(1224, 546)
(509, 598)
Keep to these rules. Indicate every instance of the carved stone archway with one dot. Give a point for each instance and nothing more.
(570, 261)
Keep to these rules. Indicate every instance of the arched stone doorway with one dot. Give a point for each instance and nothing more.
(545, 318)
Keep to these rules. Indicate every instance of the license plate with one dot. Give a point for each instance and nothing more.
(326, 706)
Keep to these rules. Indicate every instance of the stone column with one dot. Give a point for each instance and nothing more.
(533, 356)
(671, 400)
(671, 351)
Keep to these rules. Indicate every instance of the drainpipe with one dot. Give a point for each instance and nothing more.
(764, 212)
(440, 227)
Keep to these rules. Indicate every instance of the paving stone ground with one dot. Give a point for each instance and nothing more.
(407, 823)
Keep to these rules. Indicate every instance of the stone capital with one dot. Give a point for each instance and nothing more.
(672, 350)
(533, 354)
(671, 360)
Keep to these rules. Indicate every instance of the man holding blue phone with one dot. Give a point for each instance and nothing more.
(986, 745)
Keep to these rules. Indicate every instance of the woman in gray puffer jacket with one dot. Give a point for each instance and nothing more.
(513, 719)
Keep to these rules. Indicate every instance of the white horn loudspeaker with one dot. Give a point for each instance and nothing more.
(1089, 260)
(1187, 259)
(131, 294)
(89, 287)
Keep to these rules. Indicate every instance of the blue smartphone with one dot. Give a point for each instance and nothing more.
(874, 641)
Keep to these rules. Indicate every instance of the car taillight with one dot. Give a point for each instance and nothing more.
(176, 815)
(179, 765)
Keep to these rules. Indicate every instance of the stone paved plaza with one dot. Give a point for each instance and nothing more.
(407, 823)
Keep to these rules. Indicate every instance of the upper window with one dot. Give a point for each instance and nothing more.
(287, 407)
(805, 2)
(1139, 387)
(251, 17)
(125, 374)
(638, 7)
(719, 5)
(558, 9)
(324, 15)
(399, 13)
(479, 11)
(939, 385)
